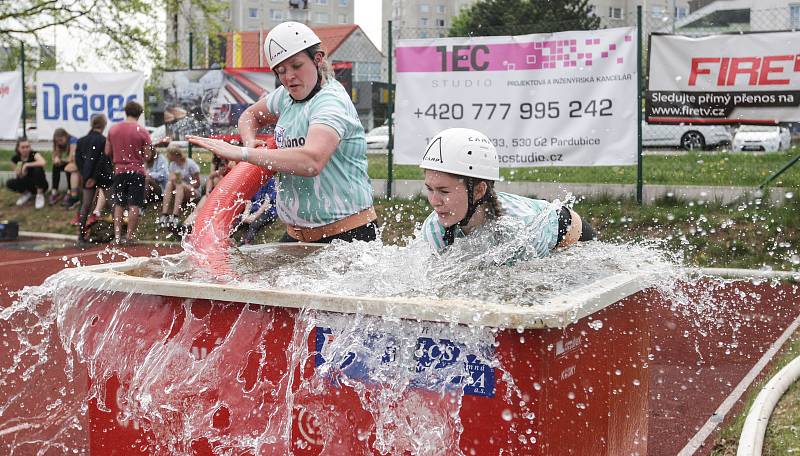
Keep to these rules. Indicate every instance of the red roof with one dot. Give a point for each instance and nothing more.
(249, 45)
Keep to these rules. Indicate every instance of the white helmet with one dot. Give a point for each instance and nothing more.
(464, 152)
(286, 40)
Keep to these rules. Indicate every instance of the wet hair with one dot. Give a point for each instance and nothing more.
(493, 207)
(133, 109)
(324, 68)
(99, 122)
(61, 133)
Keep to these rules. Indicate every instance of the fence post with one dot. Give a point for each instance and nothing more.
(191, 62)
(390, 109)
(24, 111)
(639, 171)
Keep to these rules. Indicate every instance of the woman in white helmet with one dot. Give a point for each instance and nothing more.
(461, 167)
(324, 191)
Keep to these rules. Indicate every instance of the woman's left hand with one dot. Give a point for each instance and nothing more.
(219, 147)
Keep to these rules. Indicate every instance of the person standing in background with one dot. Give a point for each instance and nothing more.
(127, 145)
(96, 171)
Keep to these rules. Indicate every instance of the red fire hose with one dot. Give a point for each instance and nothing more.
(210, 238)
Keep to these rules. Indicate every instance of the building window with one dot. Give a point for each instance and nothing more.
(322, 2)
(297, 15)
(323, 18)
(344, 3)
(440, 9)
(614, 13)
(680, 12)
(343, 19)
(440, 22)
(252, 13)
(794, 16)
(423, 21)
(424, 8)
(276, 15)
(658, 12)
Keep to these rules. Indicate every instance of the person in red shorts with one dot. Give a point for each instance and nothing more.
(127, 145)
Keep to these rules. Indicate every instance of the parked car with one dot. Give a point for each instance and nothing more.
(689, 137)
(768, 138)
(378, 137)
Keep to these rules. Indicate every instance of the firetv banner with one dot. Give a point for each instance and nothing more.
(566, 98)
(69, 99)
(736, 78)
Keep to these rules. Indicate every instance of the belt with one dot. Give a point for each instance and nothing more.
(348, 223)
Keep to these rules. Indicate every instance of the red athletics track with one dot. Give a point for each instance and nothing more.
(29, 262)
(701, 362)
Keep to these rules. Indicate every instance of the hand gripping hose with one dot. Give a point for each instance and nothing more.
(210, 239)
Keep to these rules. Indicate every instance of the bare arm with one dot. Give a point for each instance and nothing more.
(253, 118)
(307, 160)
(109, 151)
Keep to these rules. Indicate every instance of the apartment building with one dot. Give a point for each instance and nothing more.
(248, 15)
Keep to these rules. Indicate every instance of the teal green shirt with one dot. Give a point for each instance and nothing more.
(343, 187)
(538, 215)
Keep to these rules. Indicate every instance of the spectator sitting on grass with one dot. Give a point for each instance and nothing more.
(156, 170)
(63, 149)
(30, 177)
(127, 143)
(183, 186)
(66, 143)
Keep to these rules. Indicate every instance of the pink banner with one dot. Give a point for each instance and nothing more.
(534, 55)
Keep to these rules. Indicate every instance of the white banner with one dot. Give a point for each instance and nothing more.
(11, 101)
(565, 98)
(738, 78)
(69, 99)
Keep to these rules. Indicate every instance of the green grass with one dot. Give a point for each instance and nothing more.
(783, 431)
(699, 168)
(203, 159)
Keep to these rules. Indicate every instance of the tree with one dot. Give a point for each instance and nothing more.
(521, 17)
(121, 32)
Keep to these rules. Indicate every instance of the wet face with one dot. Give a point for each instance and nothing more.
(298, 74)
(447, 194)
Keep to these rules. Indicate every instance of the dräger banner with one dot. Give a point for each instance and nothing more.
(11, 101)
(737, 78)
(565, 98)
(68, 99)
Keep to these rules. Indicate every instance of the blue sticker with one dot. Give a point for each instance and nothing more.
(429, 354)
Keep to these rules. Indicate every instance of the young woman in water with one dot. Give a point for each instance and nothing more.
(324, 192)
(461, 167)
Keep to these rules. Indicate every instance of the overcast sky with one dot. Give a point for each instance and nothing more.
(82, 58)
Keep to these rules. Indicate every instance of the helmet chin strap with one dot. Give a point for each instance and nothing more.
(472, 206)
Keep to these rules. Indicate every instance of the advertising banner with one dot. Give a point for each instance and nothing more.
(565, 98)
(11, 101)
(209, 102)
(69, 99)
(737, 78)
